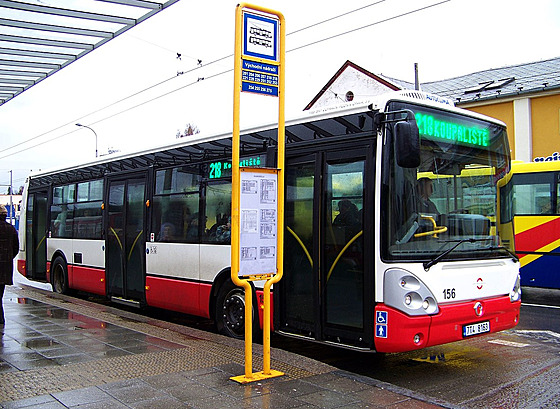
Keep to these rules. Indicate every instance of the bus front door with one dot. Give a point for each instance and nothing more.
(328, 282)
(36, 229)
(125, 240)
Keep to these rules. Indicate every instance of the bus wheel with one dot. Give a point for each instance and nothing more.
(59, 276)
(230, 310)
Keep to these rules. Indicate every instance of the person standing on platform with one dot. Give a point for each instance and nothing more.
(9, 248)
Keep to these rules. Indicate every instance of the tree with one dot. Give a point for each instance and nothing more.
(190, 129)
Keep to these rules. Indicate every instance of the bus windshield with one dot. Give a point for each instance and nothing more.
(446, 207)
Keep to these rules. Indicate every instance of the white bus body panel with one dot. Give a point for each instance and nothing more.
(173, 260)
(92, 251)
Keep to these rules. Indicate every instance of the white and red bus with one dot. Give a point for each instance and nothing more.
(368, 265)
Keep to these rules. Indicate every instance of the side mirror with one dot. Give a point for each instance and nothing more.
(407, 144)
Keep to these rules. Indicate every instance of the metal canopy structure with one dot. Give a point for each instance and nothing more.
(201, 153)
(40, 37)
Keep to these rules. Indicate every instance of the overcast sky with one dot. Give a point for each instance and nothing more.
(452, 38)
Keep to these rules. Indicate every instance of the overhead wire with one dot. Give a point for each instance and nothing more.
(168, 79)
(200, 66)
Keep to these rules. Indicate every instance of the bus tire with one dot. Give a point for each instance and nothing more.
(230, 311)
(59, 276)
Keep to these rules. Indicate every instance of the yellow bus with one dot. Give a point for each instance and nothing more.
(531, 213)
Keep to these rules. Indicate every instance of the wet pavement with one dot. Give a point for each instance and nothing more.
(63, 352)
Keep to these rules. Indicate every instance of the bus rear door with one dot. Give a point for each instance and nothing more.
(36, 229)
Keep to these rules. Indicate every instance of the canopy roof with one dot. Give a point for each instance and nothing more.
(38, 38)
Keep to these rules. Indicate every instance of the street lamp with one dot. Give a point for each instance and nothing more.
(85, 126)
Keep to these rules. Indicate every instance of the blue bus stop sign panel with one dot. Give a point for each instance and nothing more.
(260, 37)
(259, 88)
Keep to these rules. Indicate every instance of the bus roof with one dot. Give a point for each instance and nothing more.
(531, 167)
(311, 125)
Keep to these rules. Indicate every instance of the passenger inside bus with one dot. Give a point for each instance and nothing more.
(348, 222)
(223, 232)
(425, 190)
(167, 232)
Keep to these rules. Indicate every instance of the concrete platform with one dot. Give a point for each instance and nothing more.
(63, 352)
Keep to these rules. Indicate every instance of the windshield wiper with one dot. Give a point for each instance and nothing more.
(436, 259)
(511, 253)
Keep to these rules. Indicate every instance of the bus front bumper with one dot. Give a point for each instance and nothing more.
(396, 331)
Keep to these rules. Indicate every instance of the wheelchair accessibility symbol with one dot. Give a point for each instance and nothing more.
(381, 317)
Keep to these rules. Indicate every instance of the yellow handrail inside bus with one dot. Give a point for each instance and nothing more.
(352, 240)
(134, 244)
(117, 236)
(437, 229)
(301, 244)
(40, 242)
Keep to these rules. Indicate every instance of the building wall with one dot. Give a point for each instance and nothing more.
(546, 125)
(504, 112)
(533, 125)
(362, 87)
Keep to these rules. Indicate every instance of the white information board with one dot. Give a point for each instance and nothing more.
(258, 220)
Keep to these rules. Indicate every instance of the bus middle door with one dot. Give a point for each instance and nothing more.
(125, 240)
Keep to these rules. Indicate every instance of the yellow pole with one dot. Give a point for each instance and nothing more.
(280, 225)
(235, 199)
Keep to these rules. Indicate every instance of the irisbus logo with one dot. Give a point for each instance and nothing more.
(479, 283)
(478, 309)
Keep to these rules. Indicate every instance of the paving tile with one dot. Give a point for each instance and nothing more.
(328, 399)
(219, 401)
(23, 403)
(380, 397)
(191, 391)
(159, 403)
(294, 388)
(137, 393)
(104, 404)
(167, 381)
(275, 400)
(81, 396)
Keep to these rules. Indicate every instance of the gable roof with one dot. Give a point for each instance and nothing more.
(388, 83)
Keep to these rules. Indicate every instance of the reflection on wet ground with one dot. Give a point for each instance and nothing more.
(37, 335)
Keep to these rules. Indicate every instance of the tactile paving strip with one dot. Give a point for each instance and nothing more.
(197, 353)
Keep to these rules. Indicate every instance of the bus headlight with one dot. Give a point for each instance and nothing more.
(515, 294)
(404, 291)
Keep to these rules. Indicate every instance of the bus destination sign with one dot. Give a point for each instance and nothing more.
(222, 169)
(447, 129)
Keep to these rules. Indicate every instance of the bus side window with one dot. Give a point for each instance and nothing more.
(218, 213)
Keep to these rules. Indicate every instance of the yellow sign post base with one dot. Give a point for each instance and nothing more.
(257, 376)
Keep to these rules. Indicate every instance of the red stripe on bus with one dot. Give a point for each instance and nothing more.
(537, 237)
(88, 279)
(177, 295)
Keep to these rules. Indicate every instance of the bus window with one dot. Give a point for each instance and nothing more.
(175, 207)
(218, 213)
(173, 217)
(88, 217)
(532, 193)
(62, 211)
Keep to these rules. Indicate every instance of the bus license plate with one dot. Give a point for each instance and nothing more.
(475, 329)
